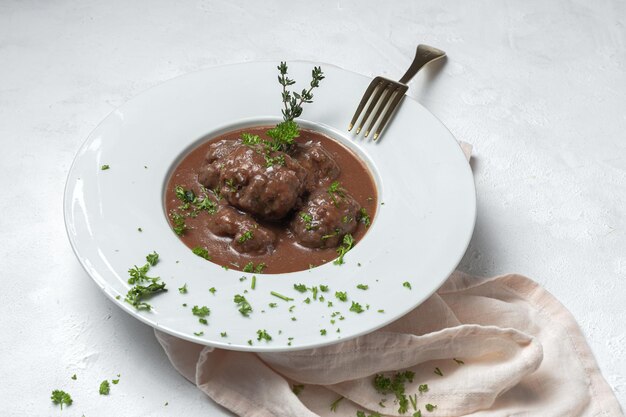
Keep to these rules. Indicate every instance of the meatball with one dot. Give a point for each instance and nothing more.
(209, 173)
(248, 236)
(266, 185)
(319, 163)
(325, 218)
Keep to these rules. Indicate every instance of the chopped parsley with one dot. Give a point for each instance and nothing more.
(223, 334)
(201, 312)
(297, 389)
(104, 167)
(385, 385)
(201, 252)
(438, 372)
(212, 290)
(346, 245)
(430, 407)
(253, 283)
(74, 377)
(423, 388)
(323, 332)
(244, 306)
(263, 335)
(138, 293)
(249, 139)
(299, 287)
(324, 288)
(406, 284)
(199, 333)
(178, 221)
(458, 361)
(183, 289)
(249, 267)
(245, 236)
(61, 397)
(105, 387)
(364, 218)
(335, 190)
(356, 307)
(362, 286)
(308, 221)
(115, 381)
(341, 295)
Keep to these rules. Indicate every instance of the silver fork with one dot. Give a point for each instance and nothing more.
(388, 94)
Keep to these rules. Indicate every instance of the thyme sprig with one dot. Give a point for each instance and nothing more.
(293, 101)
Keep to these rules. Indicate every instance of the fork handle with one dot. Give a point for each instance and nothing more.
(423, 56)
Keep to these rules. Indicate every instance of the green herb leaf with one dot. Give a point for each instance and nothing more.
(105, 387)
(430, 407)
(244, 306)
(201, 252)
(263, 335)
(346, 245)
(61, 397)
(341, 295)
(356, 307)
(406, 284)
(104, 167)
(183, 289)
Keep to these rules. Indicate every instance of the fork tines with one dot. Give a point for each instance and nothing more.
(385, 96)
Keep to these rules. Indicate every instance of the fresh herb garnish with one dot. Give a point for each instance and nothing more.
(430, 407)
(458, 361)
(438, 372)
(244, 306)
(293, 101)
(263, 335)
(178, 221)
(212, 290)
(356, 307)
(335, 190)
(346, 245)
(323, 332)
(183, 289)
(362, 286)
(138, 293)
(341, 295)
(249, 267)
(334, 404)
(245, 236)
(299, 287)
(249, 139)
(423, 388)
(105, 387)
(61, 397)
(364, 218)
(385, 385)
(198, 333)
(201, 252)
(74, 377)
(201, 312)
(152, 258)
(324, 288)
(115, 381)
(297, 389)
(253, 283)
(104, 167)
(406, 284)
(308, 221)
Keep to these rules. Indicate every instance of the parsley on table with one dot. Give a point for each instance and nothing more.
(334, 404)
(458, 361)
(423, 388)
(61, 397)
(438, 372)
(385, 385)
(430, 407)
(105, 387)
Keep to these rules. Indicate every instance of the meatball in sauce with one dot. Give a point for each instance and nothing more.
(256, 209)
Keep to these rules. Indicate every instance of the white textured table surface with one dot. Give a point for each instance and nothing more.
(539, 89)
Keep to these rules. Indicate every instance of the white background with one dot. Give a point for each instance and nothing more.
(538, 87)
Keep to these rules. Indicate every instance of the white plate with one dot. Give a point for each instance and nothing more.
(419, 235)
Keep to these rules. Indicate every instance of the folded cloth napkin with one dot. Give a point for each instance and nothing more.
(501, 346)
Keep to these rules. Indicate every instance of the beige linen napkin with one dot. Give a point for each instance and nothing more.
(501, 346)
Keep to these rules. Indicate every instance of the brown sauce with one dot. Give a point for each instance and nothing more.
(286, 255)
